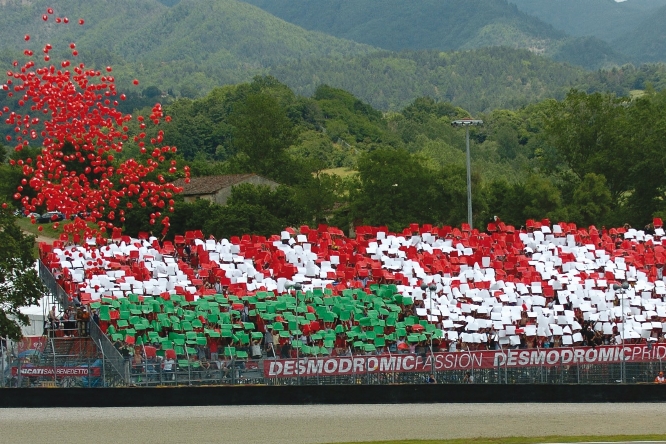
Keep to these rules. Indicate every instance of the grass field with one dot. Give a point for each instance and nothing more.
(524, 440)
(47, 229)
(341, 171)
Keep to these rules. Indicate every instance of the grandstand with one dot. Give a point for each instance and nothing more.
(318, 293)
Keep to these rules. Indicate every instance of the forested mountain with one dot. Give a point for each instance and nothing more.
(441, 24)
(403, 24)
(605, 19)
(647, 42)
(476, 80)
(194, 45)
(186, 48)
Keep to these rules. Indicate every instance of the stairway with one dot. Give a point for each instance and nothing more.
(69, 352)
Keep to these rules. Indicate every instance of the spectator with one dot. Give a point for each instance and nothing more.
(205, 366)
(268, 343)
(468, 379)
(225, 368)
(137, 361)
(285, 351)
(79, 320)
(213, 349)
(53, 319)
(168, 367)
(660, 378)
(255, 349)
(69, 322)
(151, 368)
(431, 379)
(85, 318)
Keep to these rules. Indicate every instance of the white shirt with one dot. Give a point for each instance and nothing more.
(168, 365)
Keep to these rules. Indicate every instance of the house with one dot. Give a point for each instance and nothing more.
(218, 188)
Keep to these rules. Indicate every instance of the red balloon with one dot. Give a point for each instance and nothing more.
(135, 81)
(26, 38)
(81, 21)
(93, 126)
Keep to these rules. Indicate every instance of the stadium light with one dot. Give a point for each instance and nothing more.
(467, 123)
(622, 289)
(297, 288)
(433, 288)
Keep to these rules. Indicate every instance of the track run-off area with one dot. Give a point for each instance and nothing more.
(326, 423)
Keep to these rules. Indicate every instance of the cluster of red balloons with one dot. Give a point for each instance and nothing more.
(73, 113)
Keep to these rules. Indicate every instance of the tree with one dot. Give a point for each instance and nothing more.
(396, 188)
(646, 169)
(20, 285)
(591, 201)
(262, 131)
(591, 132)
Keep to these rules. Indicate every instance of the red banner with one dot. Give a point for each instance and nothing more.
(59, 371)
(549, 357)
(31, 343)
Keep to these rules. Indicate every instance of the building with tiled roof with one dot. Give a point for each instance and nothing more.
(218, 188)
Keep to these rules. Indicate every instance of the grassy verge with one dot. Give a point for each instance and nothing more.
(341, 171)
(47, 229)
(527, 440)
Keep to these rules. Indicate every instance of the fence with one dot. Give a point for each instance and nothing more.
(561, 373)
(114, 361)
(237, 372)
(53, 287)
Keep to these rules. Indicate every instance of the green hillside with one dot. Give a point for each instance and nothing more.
(403, 24)
(647, 42)
(440, 24)
(605, 19)
(196, 44)
(186, 48)
(477, 80)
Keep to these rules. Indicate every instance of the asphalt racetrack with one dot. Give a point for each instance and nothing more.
(324, 423)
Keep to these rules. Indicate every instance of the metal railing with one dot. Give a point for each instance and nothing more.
(118, 371)
(235, 372)
(612, 373)
(53, 287)
(111, 355)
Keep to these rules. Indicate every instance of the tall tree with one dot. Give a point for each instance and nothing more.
(262, 132)
(20, 285)
(591, 132)
(396, 188)
(591, 201)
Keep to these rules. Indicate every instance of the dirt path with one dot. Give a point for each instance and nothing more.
(325, 424)
(38, 239)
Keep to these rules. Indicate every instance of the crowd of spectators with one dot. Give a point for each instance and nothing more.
(202, 303)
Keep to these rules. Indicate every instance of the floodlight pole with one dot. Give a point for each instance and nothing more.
(432, 288)
(467, 123)
(622, 289)
(297, 287)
